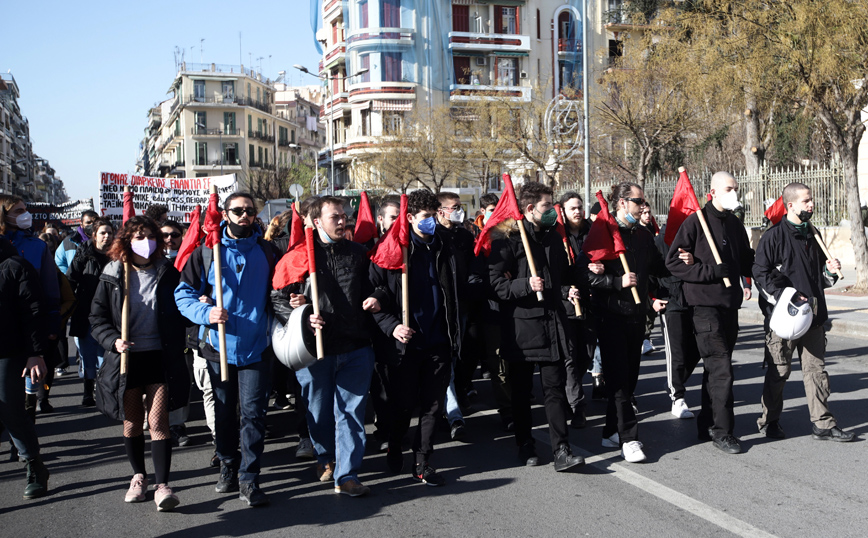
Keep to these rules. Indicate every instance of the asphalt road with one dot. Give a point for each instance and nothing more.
(793, 487)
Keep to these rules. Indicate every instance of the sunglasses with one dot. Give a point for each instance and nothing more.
(238, 211)
(173, 235)
(637, 201)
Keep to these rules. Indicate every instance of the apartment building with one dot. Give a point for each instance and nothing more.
(224, 119)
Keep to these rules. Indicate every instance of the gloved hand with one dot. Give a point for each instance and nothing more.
(721, 270)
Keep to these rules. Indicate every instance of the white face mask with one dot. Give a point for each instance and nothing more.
(457, 216)
(729, 201)
(24, 221)
(144, 247)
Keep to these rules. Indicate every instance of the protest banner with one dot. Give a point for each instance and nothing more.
(67, 213)
(180, 195)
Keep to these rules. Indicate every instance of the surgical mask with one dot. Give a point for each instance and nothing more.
(144, 247)
(805, 216)
(549, 218)
(171, 254)
(88, 230)
(457, 216)
(324, 236)
(487, 216)
(239, 231)
(729, 201)
(24, 221)
(427, 226)
(631, 220)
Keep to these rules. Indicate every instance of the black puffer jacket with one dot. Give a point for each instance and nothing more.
(83, 275)
(643, 258)
(105, 319)
(532, 330)
(22, 321)
(670, 287)
(342, 278)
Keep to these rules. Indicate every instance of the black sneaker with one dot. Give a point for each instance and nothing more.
(215, 461)
(37, 479)
(832, 434)
(427, 475)
(599, 391)
(395, 460)
(252, 495)
(282, 402)
(565, 460)
(179, 435)
(228, 481)
(527, 454)
(773, 430)
(728, 443)
(45, 406)
(457, 431)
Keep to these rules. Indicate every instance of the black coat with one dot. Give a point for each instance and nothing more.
(105, 319)
(532, 330)
(83, 275)
(22, 322)
(784, 258)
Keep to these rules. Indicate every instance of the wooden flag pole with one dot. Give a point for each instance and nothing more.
(221, 327)
(626, 267)
(531, 264)
(314, 292)
(709, 238)
(826, 250)
(125, 310)
(576, 305)
(405, 289)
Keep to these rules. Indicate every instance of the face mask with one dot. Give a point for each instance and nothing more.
(549, 218)
(144, 247)
(88, 230)
(171, 254)
(427, 226)
(487, 216)
(805, 216)
(24, 221)
(729, 201)
(240, 231)
(325, 237)
(630, 218)
(457, 216)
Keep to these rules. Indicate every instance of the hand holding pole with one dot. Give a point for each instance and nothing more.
(527, 252)
(221, 327)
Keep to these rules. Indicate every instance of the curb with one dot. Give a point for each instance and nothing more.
(834, 327)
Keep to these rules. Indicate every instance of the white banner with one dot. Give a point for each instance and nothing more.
(180, 195)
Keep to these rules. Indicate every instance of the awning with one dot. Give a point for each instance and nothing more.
(396, 106)
(364, 105)
(508, 53)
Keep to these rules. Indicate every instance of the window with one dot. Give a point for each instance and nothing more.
(462, 69)
(201, 153)
(228, 90)
(537, 24)
(506, 71)
(390, 14)
(391, 67)
(506, 20)
(460, 18)
(282, 134)
(363, 14)
(265, 162)
(178, 127)
(258, 95)
(365, 61)
(230, 153)
(249, 125)
(201, 122)
(229, 123)
(393, 122)
(199, 90)
(292, 136)
(250, 153)
(248, 90)
(366, 122)
(259, 131)
(260, 156)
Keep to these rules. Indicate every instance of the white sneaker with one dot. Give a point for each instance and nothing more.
(647, 347)
(305, 449)
(632, 452)
(612, 442)
(680, 409)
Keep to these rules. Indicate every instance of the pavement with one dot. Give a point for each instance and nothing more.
(790, 488)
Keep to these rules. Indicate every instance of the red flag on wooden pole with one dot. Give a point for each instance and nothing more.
(604, 240)
(684, 203)
(776, 211)
(366, 227)
(293, 267)
(314, 288)
(562, 230)
(507, 208)
(213, 218)
(129, 209)
(387, 253)
(191, 240)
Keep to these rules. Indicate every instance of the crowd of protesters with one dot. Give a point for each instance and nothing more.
(513, 291)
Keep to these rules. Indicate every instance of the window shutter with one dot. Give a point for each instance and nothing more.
(498, 20)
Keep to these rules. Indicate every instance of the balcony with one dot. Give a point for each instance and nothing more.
(376, 37)
(332, 9)
(335, 55)
(489, 42)
(218, 99)
(474, 92)
(381, 90)
(200, 132)
(569, 47)
(264, 106)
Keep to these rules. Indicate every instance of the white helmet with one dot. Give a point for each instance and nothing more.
(792, 315)
(294, 344)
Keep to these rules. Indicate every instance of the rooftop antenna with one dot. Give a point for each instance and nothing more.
(240, 57)
(260, 63)
(200, 50)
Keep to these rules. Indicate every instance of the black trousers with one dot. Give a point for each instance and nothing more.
(420, 379)
(380, 401)
(579, 361)
(553, 376)
(716, 331)
(682, 354)
(620, 351)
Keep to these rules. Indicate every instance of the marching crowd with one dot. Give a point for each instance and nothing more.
(526, 287)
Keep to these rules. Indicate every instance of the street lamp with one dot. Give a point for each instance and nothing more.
(331, 135)
(220, 132)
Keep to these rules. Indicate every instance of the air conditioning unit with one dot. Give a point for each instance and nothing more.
(480, 61)
(523, 74)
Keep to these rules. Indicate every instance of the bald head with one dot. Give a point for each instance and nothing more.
(724, 191)
(722, 179)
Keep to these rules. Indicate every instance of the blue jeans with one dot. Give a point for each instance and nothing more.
(336, 389)
(90, 356)
(247, 389)
(453, 410)
(12, 414)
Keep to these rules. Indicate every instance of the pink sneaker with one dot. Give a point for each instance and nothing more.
(138, 487)
(164, 497)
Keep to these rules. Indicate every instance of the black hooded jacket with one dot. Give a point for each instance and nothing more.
(22, 322)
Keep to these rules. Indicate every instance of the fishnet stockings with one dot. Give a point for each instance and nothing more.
(156, 401)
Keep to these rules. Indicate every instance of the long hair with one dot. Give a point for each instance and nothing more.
(7, 202)
(619, 191)
(121, 250)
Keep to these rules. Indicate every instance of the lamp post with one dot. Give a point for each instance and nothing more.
(330, 131)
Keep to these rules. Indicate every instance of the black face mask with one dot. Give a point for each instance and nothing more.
(805, 216)
(240, 231)
(88, 230)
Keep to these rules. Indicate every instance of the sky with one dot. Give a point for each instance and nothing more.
(89, 71)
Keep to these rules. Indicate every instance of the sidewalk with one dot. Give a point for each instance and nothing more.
(848, 314)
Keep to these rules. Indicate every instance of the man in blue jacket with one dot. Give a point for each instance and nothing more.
(247, 262)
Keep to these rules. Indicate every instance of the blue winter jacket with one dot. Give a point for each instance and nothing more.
(246, 288)
(35, 251)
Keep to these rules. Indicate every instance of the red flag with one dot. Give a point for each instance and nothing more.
(129, 210)
(366, 228)
(507, 208)
(293, 266)
(562, 229)
(212, 222)
(604, 240)
(684, 203)
(191, 240)
(387, 253)
(776, 211)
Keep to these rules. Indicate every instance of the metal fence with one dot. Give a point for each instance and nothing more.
(756, 191)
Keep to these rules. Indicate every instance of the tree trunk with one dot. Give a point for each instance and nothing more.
(753, 149)
(849, 157)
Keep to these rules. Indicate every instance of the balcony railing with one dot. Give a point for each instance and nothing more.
(213, 131)
(491, 42)
(260, 105)
(214, 99)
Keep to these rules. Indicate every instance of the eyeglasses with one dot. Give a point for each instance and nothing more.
(238, 211)
(637, 201)
(173, 235)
